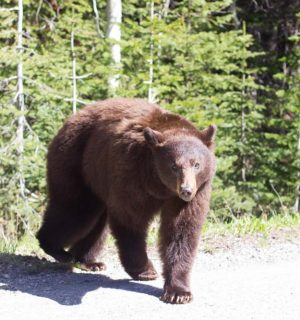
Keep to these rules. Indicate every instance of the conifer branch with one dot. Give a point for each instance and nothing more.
(9, 9)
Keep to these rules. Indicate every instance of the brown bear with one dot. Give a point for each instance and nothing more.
(118, 163)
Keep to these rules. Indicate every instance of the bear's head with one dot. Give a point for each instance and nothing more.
(184, 161)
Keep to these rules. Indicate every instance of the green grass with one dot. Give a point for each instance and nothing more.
(25, 245)
(249, 224)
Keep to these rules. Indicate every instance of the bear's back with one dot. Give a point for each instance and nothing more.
(118, 109)
(120, 115)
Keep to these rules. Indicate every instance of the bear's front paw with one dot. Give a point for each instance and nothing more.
(176, 296)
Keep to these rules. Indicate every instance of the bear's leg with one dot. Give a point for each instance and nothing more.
(55, 233)
(86, 250)
(179, 236)
(64, 225)
(132, 251)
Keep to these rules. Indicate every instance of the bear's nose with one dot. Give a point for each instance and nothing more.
(186, 191)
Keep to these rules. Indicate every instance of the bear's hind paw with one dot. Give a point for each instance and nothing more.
(91, 266)
(146, 275)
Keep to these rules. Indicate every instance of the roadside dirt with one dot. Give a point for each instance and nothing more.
(233, 278)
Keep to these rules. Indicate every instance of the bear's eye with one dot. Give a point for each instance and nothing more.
(197, 165)
(174, 167)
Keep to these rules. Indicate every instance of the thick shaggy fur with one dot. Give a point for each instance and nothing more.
(119, 162)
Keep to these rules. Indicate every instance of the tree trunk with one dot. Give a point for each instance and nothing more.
(297, 201)
(97, 19)
(296, 205)
(114, 17)
(74, 97)
(20, 100)
(151, 97)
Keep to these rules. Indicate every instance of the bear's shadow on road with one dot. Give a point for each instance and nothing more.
(57, 282)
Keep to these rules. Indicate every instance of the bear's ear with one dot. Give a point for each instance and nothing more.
(152, 137)
(207, 135)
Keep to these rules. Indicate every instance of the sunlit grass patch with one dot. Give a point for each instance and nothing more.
(249, 224)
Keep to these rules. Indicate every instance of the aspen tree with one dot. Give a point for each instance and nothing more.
(114, 17)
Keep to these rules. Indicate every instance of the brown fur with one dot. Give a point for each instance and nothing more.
(119, 162)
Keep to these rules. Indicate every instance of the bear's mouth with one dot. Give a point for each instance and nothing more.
(186, 197)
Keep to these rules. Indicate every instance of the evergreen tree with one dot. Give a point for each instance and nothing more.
(273, 27)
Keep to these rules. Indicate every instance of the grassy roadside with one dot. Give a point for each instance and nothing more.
(249, 224)
(260, 231)
(215, 231)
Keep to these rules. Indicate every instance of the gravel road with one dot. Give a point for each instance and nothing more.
(244, 281)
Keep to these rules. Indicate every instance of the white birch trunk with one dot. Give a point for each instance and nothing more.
(74, 96)
(114, 14)
(243, 136)
(97, 19)
(297, 200)
(151, 97)
(20, 100)
(165, 10)
(243, 116)
(243, 120)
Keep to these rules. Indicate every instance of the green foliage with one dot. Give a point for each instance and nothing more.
(205, 67)
(47, 68)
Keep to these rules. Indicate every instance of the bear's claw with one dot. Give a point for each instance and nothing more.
(176, 297)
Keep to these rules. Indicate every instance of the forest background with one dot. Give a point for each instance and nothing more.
(232, 63)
